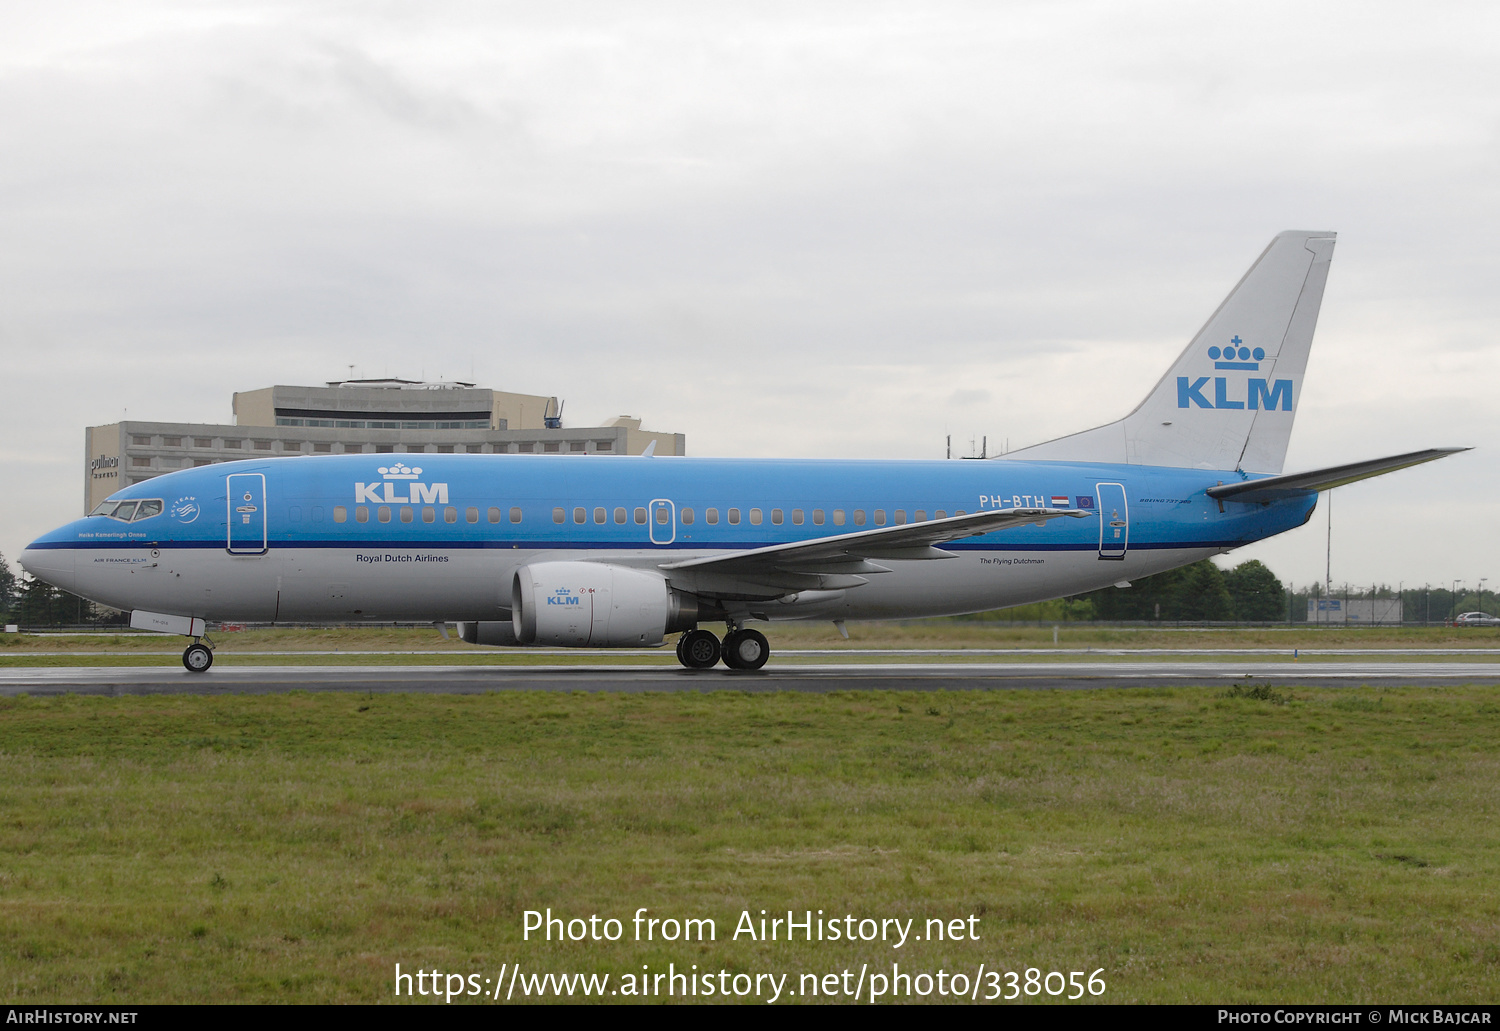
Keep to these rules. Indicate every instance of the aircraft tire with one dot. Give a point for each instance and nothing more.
(746, 649)
(698, 649)
(197, 658)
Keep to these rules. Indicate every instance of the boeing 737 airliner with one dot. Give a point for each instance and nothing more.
(622, 551)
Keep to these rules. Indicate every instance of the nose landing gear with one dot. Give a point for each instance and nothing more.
(198, 657)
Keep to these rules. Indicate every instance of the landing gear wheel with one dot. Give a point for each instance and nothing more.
(197, 658)
(698, 649)
(746, 649)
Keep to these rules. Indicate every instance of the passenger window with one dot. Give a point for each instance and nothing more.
(796, 517)
(712, 515)
(599, 516)
(429, 514)
(899, 517)
(126, 511)
(515, 515)
(960, 512)
(919, 516)
(817, 517)
(640, 517)
(880, 517)
(838, 517)
(361, 514)
(755, 517)
(293, 513)
(620, 516)
(151, 508)
(661, 516)
(859, 517)
(471, 514)
(383, 513)
(317, 513)
(450, 514)
(406, 514)
(776, 516)
(940, 514)
(492, 514)
(558, 515)
(734, 517)
(686, 515)
(340, 514)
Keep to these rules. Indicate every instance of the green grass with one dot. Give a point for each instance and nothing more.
(1304, 845)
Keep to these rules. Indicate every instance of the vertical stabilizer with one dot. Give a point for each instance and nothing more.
(1229, 400)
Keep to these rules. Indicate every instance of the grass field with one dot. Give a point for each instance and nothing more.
(1338, 845)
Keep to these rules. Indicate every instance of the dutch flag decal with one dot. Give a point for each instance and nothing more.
(1059, 501)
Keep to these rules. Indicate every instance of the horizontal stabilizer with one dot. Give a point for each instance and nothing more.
(1272, 488)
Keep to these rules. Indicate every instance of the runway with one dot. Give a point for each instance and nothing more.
(926, 676)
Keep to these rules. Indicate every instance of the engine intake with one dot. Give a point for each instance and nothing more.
(596, 605)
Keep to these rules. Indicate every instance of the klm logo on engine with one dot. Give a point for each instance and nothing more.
(405, 477)
(563, 596)
(1258, 392)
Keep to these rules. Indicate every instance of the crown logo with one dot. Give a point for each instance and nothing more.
(1224, 358)
(399, 471)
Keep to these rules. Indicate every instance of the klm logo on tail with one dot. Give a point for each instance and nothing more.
(1258, 392)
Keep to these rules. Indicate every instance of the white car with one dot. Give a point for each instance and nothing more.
(1476, 619)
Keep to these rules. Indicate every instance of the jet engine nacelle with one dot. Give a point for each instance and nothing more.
(595, 605)
(491, 632)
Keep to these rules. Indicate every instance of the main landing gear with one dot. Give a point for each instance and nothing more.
(741, 649)
(198, 656)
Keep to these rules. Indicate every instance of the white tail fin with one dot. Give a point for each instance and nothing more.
(1229, 400)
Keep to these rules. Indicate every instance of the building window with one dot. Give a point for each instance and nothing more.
(340, 514)
(640, 517)
(428, 514)
(383, 513)
(524, 448)
(361, 514)
(734, 517)
(558, 515)
(817, 517)
(202, 442)
(322, 447)
(712, 515)
(445, 449)
(233, 445)
(776, 516)
(604, 445)
(291, 445)
(262, 445)
(171, 442)
(140, 463)
(136, 441)
(838, 517)
(687, 516)
(620, 516)
(755, 517)
(553, 446)
(515, 515)
(450, 515)
(576, 445)
(474, 449)
(385, 449)
(203, 461)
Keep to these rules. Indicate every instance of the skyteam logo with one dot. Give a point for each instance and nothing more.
(563, 596)
(185, 509)
(1258, 393)
(384, 493)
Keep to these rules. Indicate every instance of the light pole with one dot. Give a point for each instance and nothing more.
(1453, 599)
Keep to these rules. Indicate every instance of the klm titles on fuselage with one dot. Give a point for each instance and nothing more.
(1259, 393)
(384, 493)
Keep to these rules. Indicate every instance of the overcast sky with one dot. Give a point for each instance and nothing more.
(802, 229)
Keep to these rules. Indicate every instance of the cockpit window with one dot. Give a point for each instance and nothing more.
(125, 511)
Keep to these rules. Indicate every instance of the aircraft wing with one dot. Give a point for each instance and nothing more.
(832, 563)
(1272, 488)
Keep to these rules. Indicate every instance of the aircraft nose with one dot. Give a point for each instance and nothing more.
(52, 565)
